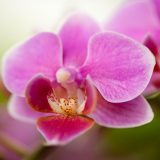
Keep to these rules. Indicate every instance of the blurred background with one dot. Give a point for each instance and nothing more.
(21, 18)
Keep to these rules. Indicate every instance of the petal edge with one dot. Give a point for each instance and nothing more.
(60, 129)
(123, 115)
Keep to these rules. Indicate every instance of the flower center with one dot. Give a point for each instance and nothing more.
(68, 104)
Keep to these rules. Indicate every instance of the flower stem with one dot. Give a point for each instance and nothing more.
(43, 152)
(13, 145)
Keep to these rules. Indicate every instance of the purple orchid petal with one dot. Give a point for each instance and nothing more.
(75, 34)
(157, 5)
(40, 54)
(135, 19)
(36, 94)
(20, 110)
(154, 84)
(120, 67)
(61, 129)
(123, 115)
(156, 80)
(151, 44)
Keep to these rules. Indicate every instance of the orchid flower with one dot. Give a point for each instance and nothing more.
(140, 19)
(65, 82)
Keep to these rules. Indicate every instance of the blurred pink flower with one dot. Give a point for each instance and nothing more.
(76, 77)
(140, 19)
(20, 132)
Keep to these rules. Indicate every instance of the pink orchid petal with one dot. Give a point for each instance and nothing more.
(154, 84)
(91, 94)
(157, 5)
(123, 115)
(156, 80)
(61, 129)
(20, 110)
(40, 54)
(136, 19)
(151, 44)
(75, 34)
(36, 94)
(119, 67)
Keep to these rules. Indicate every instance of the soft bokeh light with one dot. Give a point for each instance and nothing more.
(20, 18)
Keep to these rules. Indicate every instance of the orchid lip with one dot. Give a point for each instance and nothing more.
(68, 105)
(65, 98)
